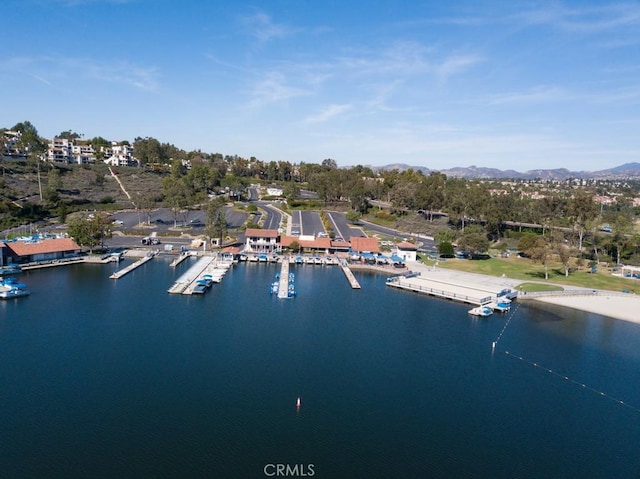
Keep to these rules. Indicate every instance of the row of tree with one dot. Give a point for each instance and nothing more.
(191, 177)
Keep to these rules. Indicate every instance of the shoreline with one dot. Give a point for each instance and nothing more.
(620, 306)
(612, 304)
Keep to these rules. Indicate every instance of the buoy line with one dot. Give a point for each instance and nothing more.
(575, 382)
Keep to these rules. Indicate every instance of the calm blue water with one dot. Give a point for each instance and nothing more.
(105, 379)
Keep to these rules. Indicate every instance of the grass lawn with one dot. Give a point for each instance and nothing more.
(525, 270)
(535, 287)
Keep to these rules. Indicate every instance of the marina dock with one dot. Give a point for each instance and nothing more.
(180, 259)
(349, 274)
(119, 274)
(440, 285)
(209, 266)
(283, 287)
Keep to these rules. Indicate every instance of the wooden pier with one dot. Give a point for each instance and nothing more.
(119, 274)
(349, 274)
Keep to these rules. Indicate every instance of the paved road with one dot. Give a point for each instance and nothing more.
(296, 223)
(273, 217)
(311, 223)
(423, 242)
(342, 227)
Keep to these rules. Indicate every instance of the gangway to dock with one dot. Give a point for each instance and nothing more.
(180, 259)
(119, 274)
(349, 274)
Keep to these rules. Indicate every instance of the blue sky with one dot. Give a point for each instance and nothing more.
(505, 84)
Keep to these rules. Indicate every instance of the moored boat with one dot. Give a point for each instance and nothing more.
(483, 311)
(9, 288)
(10, 269)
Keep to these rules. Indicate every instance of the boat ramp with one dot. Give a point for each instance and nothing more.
(148, 257)
(207, 269)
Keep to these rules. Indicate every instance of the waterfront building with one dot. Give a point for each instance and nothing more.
(40, 250)
(261, 241)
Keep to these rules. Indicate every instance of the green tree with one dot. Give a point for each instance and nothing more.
(216, 222)
(445, 249)
(33, 146)
(581, 210)
(54, 183)
(90, 231)
(474, 239)
(176, 196)
(353, 216)
(430, 194)
(444, 235)
(527, 242)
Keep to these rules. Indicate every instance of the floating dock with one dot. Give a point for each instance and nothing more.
(443, 288)
(119, 274)
(349, 274)
(283, 287)
(207, 265)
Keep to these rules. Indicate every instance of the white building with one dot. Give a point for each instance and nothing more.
(10, 146)
(261, 241)
(59, 151)
(406, 251)
(120, 155)
(83, 154)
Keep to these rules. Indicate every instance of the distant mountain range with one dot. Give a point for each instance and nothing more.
(626, 171)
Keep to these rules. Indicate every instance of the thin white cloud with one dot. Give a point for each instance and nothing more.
(538, 94)
(50, 69)
(80, 3)
(43, 80)
(273, 88)
(263, 28)
(584, 19)
(329, 113)
(455, 64)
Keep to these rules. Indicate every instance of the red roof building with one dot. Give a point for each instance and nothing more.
(43, 250)
(364, 245)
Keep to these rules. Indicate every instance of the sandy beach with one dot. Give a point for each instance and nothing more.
(615, 305)
(606, 303)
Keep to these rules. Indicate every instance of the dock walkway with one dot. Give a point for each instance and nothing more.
(349, 274)
(119, 274)
(283, 286)
(464, 287)
(184, 282)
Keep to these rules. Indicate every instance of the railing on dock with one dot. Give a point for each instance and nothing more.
(441, 293)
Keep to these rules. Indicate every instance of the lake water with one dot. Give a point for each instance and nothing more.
(106, 379)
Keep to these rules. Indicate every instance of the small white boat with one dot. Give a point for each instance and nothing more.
(483, 311)
(501, 306)
(10, 288)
